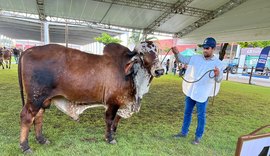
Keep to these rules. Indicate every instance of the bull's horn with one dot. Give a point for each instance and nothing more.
(132, 53)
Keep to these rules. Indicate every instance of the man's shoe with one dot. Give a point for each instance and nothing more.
(196, 141)
(179, 135)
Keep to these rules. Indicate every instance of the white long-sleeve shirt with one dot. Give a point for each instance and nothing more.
(197, 66)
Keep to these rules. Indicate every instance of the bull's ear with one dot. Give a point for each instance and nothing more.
(128, 67)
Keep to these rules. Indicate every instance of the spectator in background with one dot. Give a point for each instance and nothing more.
(245, 68)
(180, 69)
(167, 66)
(174, 67)
(183, 69)
(16, 54)
(267, 70)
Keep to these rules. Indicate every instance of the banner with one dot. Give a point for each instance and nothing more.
(262, 59)
(251, 51)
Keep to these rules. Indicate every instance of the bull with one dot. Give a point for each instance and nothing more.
(5, 57)
(74, 81)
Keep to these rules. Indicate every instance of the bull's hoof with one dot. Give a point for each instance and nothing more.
(43, 141)
(47, 142)
(112, 142)
(25, 147)
(29, 151)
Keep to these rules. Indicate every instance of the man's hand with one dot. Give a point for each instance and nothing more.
(216, 71)
(174, 50)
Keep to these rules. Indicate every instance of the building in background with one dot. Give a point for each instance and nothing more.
(6, 41)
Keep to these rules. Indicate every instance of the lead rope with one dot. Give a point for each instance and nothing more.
(211, 77)
(198, 79)
(165, 55)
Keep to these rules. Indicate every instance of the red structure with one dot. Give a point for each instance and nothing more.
(165, 45)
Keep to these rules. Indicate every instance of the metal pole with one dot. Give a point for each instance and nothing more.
(227, 74)
(231, 51)
(41, 32)
(144, 33)
(250, 76)
(46, 32)
(66, 35)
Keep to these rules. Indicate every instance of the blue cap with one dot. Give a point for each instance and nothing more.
(209, 42)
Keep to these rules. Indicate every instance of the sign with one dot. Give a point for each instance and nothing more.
(251, 51)
(262, 59)
(254, 144)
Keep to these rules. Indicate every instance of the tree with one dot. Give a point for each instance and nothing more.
(260, 44)
(135, 37)
(106, 39)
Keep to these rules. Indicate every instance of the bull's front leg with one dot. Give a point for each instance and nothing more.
(109, 117)
(115, 123)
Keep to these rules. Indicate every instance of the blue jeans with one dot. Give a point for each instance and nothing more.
(201, 116)
(16, 59)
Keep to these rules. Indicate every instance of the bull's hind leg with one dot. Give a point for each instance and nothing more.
(30, 114)
(27, 118)
(1, 64)
(38, 127)
(7, 64)
(110, 116)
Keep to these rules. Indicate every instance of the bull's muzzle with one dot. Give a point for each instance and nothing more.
(159, 72)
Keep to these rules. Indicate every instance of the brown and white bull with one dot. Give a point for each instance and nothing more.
(74, 81)
(5, 57)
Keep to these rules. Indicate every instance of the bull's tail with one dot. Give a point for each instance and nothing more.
(20, 79)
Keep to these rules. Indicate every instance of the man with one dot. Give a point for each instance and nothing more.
(167, 66)
(183, 69)
(197, 93)
(16, 54)
(174, 67)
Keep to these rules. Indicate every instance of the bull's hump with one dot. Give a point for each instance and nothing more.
(115, 49)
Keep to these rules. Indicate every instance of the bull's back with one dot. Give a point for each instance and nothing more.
(55, 58)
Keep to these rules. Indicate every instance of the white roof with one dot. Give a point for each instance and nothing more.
(191, 20)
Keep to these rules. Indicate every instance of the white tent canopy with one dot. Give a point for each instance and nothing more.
(247, 22)
(190, 20)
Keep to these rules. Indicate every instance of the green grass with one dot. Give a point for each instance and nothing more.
(238, 110)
